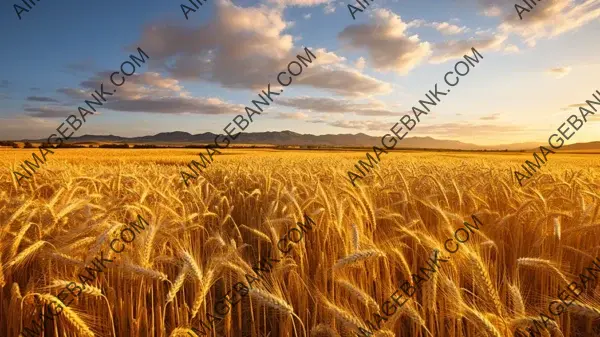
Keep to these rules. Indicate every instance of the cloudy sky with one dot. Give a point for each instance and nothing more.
(369, 71)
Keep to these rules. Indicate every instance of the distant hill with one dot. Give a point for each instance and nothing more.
(179, 138)
(582, 146)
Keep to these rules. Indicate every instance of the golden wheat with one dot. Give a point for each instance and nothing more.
(367, 241)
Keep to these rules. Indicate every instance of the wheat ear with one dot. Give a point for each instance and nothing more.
(341, 314)
(67, 259)
(70, 315)
(89, 289)
(182, 332)
(156, 275)
(430, 290)
(17, 240)
(256, 233)
(482, 275)
(525, 322)
(323, 330)
(178, 283)
(271, 300)
(15, 291)
(359, 294)
(358, 256)
(578, 251)
(189, 259)
(2, 280)
(516, 299)
(355, 237)
(202, 289)
(582, 309)
(541, 264)
(148, 245)
(454, 297)
(410, 311)
(26, 254)
(85, 242)
(482, 322)
(403, 261)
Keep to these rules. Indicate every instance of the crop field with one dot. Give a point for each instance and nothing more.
(191, 270)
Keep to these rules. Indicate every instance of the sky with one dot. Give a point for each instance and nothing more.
(368, 72)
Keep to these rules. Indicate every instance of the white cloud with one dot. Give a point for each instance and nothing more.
(51, 111)
(330, 7)
(492, 11)
(448, 28)
(332, 105)
(387, 43)
(344, 81)
(445, 28)
(360, 63)
(291, 115)
(245, 48)
(549, 18)
(452, 49)
(146, 92)
(559, 72)
(511, 49)
(176, 105)
(372, 125)
(458, 129)
(26, 127)
(299, 3)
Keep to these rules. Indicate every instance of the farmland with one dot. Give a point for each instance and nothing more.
(205, 238)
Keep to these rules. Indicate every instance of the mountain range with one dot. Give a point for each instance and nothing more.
(289, 138)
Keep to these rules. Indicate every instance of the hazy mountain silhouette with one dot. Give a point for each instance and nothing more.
(292, 138)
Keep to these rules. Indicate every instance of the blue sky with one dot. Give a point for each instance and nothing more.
(369, 71)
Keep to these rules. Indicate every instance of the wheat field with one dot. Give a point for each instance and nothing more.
(204, 238)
